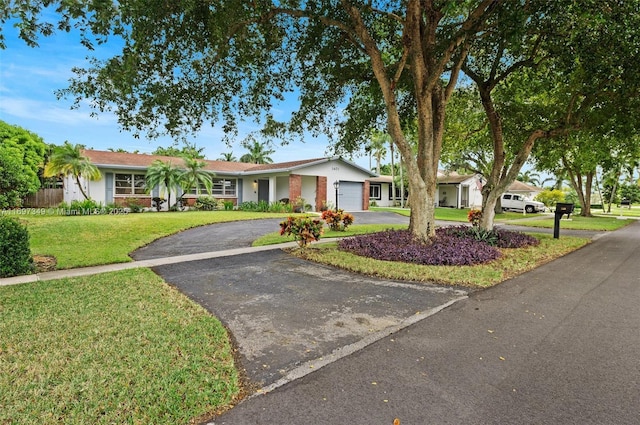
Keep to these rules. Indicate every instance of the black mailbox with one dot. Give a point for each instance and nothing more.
(561, 209)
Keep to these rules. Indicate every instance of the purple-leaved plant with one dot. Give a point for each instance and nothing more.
(452, 246)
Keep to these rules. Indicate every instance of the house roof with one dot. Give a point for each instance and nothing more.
(126, 160)
(381, 179)
(143, 161)
(454, 178)
(518, 186)
(294, 165)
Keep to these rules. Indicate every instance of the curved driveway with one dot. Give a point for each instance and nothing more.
(288, 316)
(235, 234)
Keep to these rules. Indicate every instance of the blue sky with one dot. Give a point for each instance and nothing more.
(30, 76)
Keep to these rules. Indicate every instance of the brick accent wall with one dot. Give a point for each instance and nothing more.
(145, 201)
(365, 195)
(321, 191)
(295, 187)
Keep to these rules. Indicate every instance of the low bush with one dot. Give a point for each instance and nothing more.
(496, 237)
(16, 256)
(207, 203)
(304, 229)
(134, 205)
(263, 206)
(337, 219)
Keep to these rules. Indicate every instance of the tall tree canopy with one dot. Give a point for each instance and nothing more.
(188, 150)
(258, 153)
(548, 70)
(187, 63)
(21, 157)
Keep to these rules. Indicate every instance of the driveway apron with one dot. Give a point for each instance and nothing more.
(289, 316)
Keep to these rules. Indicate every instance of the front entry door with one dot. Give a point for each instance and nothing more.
(263, 190)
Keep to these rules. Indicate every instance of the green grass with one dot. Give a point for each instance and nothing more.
(512, 263)
(118, 347)
(596, 223)
(81, 241)
(634, 211)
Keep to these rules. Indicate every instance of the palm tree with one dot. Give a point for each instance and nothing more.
(257, 153)
(377, 147)
(68, 160)
(228, 156)
(195, 175)
(165, 176)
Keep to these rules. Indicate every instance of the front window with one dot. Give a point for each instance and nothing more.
(224, 187)
(375, 191)
(130, 184)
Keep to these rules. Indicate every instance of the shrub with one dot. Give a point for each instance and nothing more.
(16, 256)
(248, 206)
(134, 205)
(550, 197)
(496, 237)
(337, 219)
(227, 205)
(85, 207)
(157, 203)
(509, 239)
(474, 217)
(447, 249)
(304, 229)
(206, 203)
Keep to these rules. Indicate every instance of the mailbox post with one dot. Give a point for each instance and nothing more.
(561, 209)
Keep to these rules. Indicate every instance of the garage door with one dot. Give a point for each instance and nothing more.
(350, 196)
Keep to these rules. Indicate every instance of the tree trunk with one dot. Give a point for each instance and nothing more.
(393, 176)
(489, 204)
(80, 187)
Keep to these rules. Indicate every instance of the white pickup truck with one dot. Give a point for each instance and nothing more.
(516, 202)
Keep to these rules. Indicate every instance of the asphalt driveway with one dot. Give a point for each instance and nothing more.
(290, 317)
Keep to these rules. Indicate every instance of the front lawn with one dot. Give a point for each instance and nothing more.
(80, 241)
(576, 222)
(597, 222)
(114, 348)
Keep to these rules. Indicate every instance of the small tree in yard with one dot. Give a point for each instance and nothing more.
(165, 176)
(550, 197)
(68, 160)
(14, 244)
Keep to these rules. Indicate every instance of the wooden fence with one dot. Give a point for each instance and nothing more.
(44, 198)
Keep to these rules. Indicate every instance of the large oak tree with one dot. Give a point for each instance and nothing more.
(195, 61)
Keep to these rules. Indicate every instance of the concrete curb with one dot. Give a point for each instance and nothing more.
(87, 271)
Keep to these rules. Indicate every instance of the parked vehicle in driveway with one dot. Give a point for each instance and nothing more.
(516, 202)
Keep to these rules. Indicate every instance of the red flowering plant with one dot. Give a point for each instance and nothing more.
(304, 229)
(337, 219)
(474, 217)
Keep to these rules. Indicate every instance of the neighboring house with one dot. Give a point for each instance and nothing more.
(459, 191)
(454, 190)
(524, 189)
(380, 192)
(123, 179)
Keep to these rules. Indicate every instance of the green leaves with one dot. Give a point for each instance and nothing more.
(21, 156)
